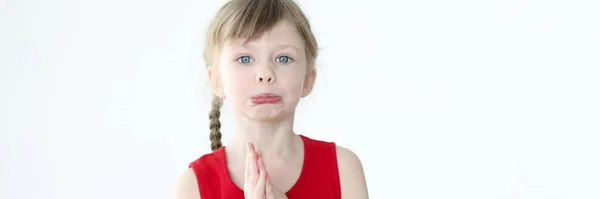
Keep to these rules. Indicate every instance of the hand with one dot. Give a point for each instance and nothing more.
(261, 187)
(254, 179)
(272, 192)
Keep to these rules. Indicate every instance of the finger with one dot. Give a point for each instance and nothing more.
(259, 190)
(247, 168)
(253, 168)
(251, 147)
(249, 181)
(263, 169)
(261, 165)
(256, 156)
(269, 187)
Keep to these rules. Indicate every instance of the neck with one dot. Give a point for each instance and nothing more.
(273, 138)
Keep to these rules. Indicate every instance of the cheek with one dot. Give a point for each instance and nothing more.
(236, 83)
(296, 85)
(293, 82)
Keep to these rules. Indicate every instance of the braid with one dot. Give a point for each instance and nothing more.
(215, 124)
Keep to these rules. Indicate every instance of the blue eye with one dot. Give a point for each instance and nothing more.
(244, 59)
(284, 59)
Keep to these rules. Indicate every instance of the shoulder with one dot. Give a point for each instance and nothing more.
(206, 161)
(352, 177)
(187, 186)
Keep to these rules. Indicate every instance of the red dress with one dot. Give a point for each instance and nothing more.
(319, 177)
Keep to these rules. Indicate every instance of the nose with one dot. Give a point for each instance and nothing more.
(265, 78)
(265, 75)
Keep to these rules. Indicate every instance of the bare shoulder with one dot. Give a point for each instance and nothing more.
(352, 175)
(187, 186)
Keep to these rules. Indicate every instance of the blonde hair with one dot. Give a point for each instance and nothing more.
(248, 19)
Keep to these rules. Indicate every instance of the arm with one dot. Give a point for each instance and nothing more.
(352, 177)
(187, 186)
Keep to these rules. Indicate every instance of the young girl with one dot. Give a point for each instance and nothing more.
(260, 56)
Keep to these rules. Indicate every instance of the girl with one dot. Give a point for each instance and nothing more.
(260, 56)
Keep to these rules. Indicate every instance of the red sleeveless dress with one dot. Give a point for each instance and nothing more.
(319, 178)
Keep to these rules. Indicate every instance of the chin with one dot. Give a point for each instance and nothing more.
(265, 112)
(268, 112)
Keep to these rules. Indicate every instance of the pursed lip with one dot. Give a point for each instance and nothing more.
(265, 95)
(265, 98)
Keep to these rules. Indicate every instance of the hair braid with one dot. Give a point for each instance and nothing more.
(215, 124)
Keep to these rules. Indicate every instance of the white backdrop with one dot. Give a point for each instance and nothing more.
(440, 99)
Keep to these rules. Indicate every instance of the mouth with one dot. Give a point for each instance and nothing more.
(265, 98)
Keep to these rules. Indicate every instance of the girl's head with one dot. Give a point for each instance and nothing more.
(258, 47)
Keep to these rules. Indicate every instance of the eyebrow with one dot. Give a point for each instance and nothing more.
(247, 45)
(285, 46)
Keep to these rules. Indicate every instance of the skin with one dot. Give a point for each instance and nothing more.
(265, 155)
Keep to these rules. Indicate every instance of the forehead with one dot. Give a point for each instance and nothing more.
(283, 34)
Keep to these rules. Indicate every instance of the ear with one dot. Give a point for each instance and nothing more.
(215, 82)
(309, 81)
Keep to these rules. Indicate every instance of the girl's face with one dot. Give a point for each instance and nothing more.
(264, 79)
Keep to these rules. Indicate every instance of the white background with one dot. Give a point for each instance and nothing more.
(440, 99)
